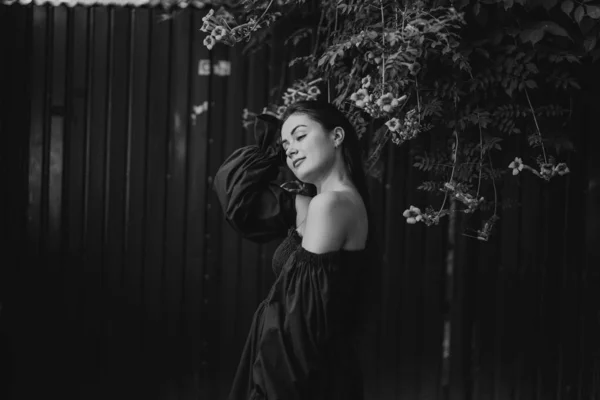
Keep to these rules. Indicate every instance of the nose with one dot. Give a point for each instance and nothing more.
(290, 151)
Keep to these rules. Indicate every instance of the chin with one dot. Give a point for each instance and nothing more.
(299, 175)
(309, 173)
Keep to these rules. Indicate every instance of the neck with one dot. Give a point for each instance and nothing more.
(337, 179)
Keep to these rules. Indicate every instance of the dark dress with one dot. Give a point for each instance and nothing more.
(300, 343)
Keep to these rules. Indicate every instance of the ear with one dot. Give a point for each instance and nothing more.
(338, 136)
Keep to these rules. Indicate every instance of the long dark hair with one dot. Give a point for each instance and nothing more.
(330, 117)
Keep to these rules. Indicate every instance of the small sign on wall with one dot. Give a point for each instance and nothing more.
(222, 68)
(204, 67)
(219, 68)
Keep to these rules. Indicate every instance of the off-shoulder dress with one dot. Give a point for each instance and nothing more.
(300, 343)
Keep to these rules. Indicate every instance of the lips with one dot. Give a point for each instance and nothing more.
(297, 162)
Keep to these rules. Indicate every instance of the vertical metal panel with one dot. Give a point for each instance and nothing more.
(158, 119)
(74, 195)
(412, 260)
(589, 275)
(57, 127)
(36, 137)
(391, 302)
(197, 189)
(214, 220)
(136, 212)
(508, 262)
(231, 261)
(118, 314)
(432, 297)
(37, 219)
(149, 293)
(199, 226)
(485, 320)
(15, 102)
(176, 174)
(95, 313)
(5, 48)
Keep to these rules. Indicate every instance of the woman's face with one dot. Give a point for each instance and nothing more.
(309, 148)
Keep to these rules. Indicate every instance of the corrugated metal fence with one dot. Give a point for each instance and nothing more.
(122, 281)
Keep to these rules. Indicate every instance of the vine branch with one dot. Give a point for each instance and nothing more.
(536, 125)
(383, 52)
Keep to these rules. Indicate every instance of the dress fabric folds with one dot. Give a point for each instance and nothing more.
(255, 206)
(300, 342)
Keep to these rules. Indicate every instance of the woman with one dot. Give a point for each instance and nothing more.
(300, 341)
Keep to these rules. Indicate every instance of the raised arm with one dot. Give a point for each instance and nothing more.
(253, 203)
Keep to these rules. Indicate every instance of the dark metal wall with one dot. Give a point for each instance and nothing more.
(121, 280)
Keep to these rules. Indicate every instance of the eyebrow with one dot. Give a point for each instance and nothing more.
(292, 134)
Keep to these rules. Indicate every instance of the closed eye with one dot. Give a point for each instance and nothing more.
(298, 139)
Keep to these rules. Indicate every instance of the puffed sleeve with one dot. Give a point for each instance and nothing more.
(297, 327)
(253, 204)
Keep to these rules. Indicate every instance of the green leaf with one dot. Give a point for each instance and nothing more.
(508, 4)
(322, 60)
(532, 68)
(530, 84)
(587, 25)
(589, 43)
(579, 13)
(593, 11)
(567, 6)
(553, 28)
(548, 4)
(532, 35)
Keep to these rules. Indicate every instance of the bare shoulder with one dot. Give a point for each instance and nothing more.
(332, 205)
(328, 222)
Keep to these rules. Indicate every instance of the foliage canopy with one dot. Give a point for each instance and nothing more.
(469, 74)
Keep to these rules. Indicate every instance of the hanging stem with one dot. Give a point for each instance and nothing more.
(374, 156)
(443, 203)
(480, 154)
(453, 169)
(383, 53)
(336, 20)
(316, 45)
(494, 184)
(263, 14)
(328, 34)
(418, 98)
(536, 125)
(455, 156)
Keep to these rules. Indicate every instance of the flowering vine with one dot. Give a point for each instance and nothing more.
(399, 70)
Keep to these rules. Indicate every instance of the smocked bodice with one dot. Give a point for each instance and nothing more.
(285, 250)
